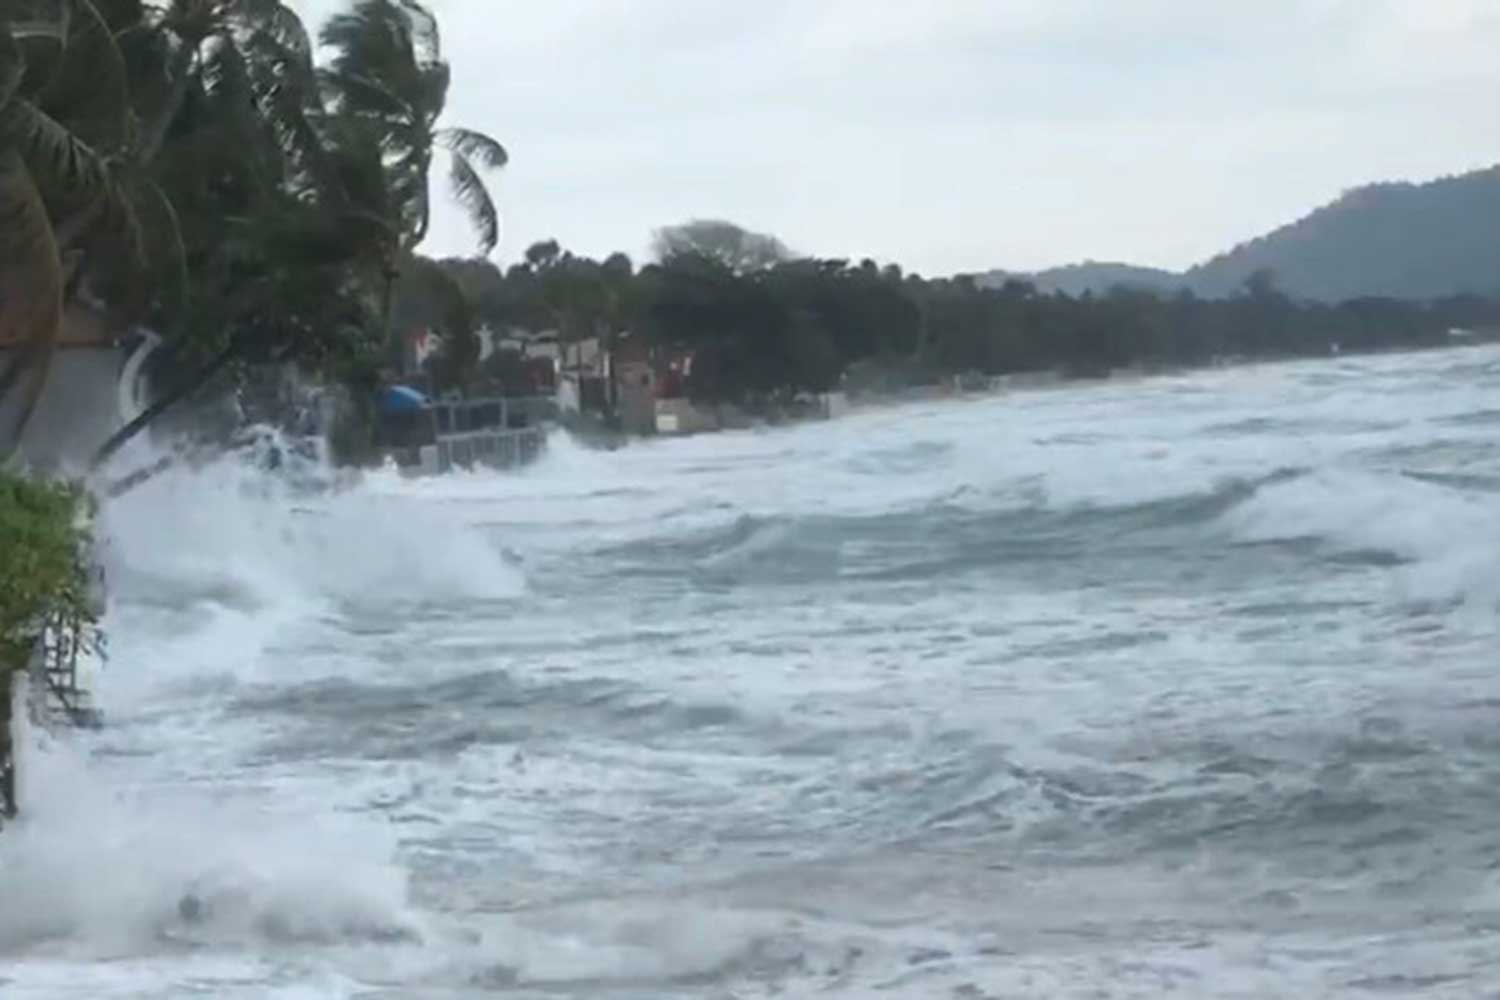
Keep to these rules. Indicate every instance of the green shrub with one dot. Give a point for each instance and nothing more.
(45, 563)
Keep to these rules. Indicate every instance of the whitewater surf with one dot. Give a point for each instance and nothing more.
(1177, 687)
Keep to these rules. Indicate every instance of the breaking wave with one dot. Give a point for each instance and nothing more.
(1161, 667)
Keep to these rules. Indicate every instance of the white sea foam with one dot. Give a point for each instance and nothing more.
(1450, 539)
(437, 736)
(229, 530)
(102, 869)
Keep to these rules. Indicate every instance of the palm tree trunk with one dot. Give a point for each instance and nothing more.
(154, 134)
(139, 477)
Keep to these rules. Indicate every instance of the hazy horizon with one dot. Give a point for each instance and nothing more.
(964, 135)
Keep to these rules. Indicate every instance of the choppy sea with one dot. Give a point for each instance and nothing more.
(1185, 686)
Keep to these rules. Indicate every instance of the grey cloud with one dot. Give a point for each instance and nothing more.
(963, 134)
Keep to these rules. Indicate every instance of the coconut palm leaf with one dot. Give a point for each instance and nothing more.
(148, 54)
(69, 172)
(387, 69)
(468, 148)
(229, 94)
(470, 192)
(475, 145)
(276, 19)
(426, 39)
(374, 41)
(431, 92)
(136, 254)
(287, 96)
(277, 64)
(178, 79)
(165, 248)
(90, 88)
(361, 95)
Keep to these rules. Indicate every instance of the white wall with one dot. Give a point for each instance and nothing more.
(78, 410)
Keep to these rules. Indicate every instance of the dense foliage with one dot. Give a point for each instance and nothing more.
(45, 553)
(764, 323)
(186, 164)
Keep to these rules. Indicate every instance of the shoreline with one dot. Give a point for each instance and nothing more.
(1008, 384)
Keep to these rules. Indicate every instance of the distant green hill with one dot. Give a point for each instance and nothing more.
(1401, 240)
(1091, 276)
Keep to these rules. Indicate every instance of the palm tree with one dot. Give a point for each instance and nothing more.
(388, 76)
(107, 105)
(182, 162)
(299, 272)
(213, 40)
(387, 70)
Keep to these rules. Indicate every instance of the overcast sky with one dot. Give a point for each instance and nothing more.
(960, 135)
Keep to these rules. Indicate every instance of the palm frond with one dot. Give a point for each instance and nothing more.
(276, 19)
(355, 156)
(147, 52)
(477, 146)
(268, 121)
(66, 169)
(168, 255)
(407, 182)
(226, 77)
(373, 37)
(431, 92)
(363, 95)
(427, 40)
(90, 88)
(119, 245)
(177, 82)
(296, 128)
(140, 260)
(374, 41)
(286, 63)
(470, 192)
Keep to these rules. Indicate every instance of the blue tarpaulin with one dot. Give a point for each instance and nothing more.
(401, 399)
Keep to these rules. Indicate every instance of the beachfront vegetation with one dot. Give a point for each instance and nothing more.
(45, 552)
(761, 322)
(185, 163)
